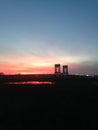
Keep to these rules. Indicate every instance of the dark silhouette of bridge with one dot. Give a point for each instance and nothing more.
(58, 69)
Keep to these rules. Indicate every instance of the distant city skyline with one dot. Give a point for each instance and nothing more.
(36, 34)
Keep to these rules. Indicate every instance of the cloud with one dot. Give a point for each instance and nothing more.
(87, 67)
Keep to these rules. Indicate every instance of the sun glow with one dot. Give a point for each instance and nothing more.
(8, 69)
(29, 64)
(41, 64)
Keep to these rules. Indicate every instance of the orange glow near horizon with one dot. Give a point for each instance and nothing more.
(28, 65)
(42, 68)
(8, 69)
(36, 65)
(36, 68)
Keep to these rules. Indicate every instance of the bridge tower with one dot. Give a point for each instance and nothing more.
(57, 69)
(65, 69)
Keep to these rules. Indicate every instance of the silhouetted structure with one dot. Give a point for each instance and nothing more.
(57, 69)
(65, 69)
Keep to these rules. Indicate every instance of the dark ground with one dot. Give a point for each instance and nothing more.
(63, 106)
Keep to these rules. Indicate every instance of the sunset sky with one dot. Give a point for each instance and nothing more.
(36, 34)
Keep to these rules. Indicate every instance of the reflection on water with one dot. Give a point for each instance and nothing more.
(31, 82)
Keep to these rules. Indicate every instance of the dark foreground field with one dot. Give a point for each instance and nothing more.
(61, 106)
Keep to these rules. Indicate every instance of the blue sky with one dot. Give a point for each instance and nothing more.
(45, 32)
